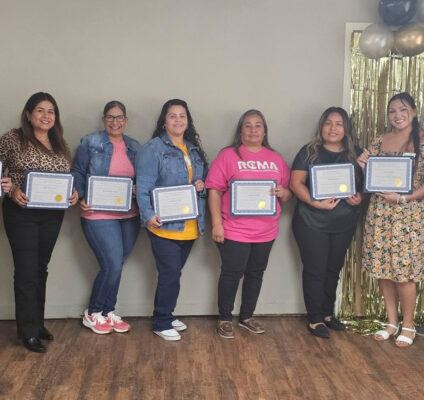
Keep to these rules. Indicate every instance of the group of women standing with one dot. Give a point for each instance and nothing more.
(174, 156)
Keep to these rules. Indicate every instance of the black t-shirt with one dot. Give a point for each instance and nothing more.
(344, 216)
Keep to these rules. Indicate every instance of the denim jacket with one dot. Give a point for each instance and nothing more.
(93, 157)
(160, 163)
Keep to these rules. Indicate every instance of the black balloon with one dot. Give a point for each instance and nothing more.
(397, 12)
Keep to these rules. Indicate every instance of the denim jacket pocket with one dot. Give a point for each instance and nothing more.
(172, 171)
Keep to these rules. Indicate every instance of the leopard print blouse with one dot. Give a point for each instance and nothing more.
(17, 160)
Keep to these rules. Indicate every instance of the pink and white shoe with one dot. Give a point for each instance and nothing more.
(96, 322)
(117, 324)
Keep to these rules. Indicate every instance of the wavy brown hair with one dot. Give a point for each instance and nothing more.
(55, 134)
(312, 148)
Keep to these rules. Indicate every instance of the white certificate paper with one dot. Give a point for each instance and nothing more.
(389, 174)
(252, 198)
(175, 203)
(48, 190)
(331, 180)
(109, 193)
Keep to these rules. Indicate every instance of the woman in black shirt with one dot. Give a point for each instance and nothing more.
(323, 229)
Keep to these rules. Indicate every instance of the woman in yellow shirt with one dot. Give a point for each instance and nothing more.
(172, 157)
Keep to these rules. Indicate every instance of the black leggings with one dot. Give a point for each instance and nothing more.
(32, 235)
(322, 256)
(239, 259)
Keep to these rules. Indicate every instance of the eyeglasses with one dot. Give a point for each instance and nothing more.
(111, 118)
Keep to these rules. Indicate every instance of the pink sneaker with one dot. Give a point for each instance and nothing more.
(116, 323)
(96, 322)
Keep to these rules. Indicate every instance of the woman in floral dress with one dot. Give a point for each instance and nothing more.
(393, 249)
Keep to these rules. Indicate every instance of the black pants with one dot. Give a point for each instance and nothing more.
(322, 256)
(241, 259)
(32, 235)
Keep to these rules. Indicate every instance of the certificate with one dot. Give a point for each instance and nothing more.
(250, 198)
(109, 193)
(175, 203)
(48, 190)
(331, 180)
(389, 174)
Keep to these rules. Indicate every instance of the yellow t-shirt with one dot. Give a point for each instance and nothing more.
(191, 231)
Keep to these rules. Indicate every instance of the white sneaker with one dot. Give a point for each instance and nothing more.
(168, 334)
(179, 325)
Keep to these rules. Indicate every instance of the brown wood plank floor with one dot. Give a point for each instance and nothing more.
(284, 363)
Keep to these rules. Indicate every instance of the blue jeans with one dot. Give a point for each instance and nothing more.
(111, 241)
(170, 256)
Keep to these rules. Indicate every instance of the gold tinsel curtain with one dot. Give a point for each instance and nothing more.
(373, 83)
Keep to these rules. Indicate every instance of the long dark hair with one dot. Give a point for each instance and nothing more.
(414, 135)
(236, 143)
(55, 134)
(190, 133)
(312, 148)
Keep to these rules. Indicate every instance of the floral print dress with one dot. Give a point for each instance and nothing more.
(393, 246)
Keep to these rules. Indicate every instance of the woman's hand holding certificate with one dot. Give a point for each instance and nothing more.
(389, 174)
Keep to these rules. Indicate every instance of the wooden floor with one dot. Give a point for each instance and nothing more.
(286, 362)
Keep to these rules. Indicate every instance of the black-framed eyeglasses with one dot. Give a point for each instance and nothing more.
(111, 118)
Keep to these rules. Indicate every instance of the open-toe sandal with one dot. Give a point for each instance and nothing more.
(384, 335)
(405, 341)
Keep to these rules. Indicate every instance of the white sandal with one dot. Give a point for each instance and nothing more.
(386, 335)
(405, 339)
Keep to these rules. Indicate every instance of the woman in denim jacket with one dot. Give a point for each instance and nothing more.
(111, 235)
(172, 157)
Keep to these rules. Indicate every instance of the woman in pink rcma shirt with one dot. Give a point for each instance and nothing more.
(244, 242)
(111, 235)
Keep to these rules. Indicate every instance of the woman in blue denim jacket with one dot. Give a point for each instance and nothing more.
(111, 235)
(172, 157)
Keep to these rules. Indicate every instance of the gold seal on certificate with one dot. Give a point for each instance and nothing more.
(389, 174)
(331, 180)
(398, 182)
(262, 205)
(175, 203)
(48, 190)
(250, 198)
(109, 193)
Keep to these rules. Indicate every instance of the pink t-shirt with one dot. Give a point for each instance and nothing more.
(120, 165)
(264, 164)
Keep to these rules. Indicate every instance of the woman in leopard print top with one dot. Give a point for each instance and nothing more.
(38, 144)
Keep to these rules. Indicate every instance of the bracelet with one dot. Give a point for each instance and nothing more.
(403, 199)
(398, 198)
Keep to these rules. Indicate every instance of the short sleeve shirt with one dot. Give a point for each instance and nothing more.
(344, 216)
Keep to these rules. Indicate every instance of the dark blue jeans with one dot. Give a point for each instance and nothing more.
(170, 256)
(111, 241)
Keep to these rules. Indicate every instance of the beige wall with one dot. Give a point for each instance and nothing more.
(284, 57)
